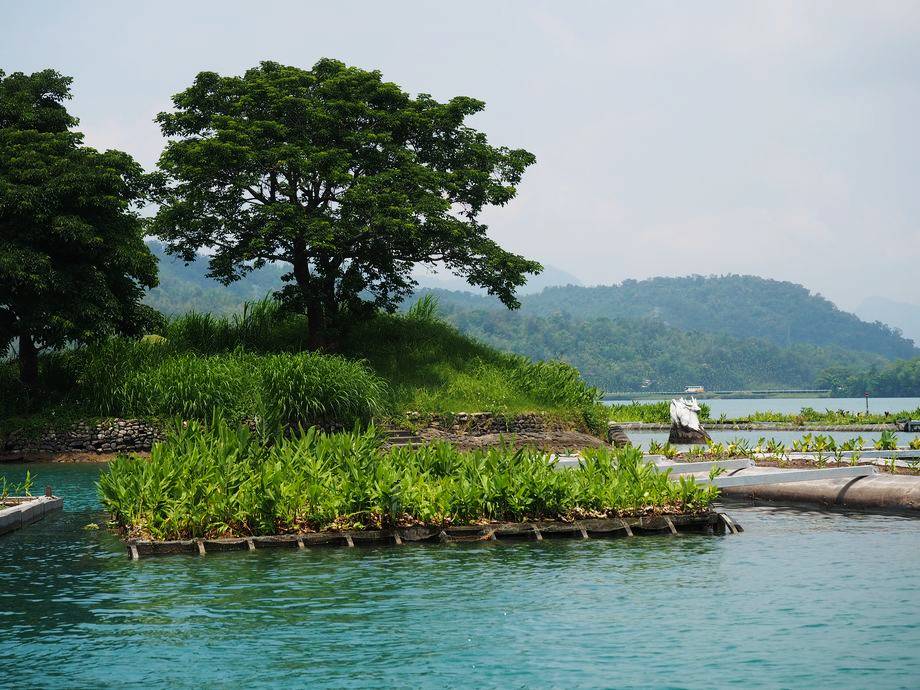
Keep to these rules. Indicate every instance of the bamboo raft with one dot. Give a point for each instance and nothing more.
(711, 523)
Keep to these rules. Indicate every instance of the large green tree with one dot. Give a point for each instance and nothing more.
(342, 176)
(73, 262)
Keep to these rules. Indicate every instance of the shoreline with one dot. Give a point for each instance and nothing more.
(760, 426)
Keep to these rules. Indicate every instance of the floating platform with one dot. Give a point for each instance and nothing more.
(24, 510)
(710, 523)
(872, 492)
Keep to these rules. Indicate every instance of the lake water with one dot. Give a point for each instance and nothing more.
(800, 600)
(741, 407)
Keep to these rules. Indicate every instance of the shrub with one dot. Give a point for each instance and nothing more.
(309, 388)
(191, 387)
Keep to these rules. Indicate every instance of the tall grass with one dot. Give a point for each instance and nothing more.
(432, 368)
(308, 388)
(227, 481)
(254, 364)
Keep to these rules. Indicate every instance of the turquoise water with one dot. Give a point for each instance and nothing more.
(800, 600)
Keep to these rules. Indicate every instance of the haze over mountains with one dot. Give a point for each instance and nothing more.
(723, 332)
(902, 315)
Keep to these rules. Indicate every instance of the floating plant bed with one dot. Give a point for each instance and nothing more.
(711, 523)
(17, 512)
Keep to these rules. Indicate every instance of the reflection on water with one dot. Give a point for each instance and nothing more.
(801, 599)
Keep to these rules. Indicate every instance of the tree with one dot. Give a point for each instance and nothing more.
(340, 175)
(73, 262)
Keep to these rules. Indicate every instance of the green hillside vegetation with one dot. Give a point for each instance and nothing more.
(255, 366)
(612, 353)
(782, 313)
(187, 287)
(740, 306)
(895, 379)
(621, 354)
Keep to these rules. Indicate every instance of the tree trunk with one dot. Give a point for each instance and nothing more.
(28, 360)
(316, 318)
(316, 324)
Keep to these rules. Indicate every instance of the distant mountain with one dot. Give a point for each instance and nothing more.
(188, 288)
(728, 332)
(628, 354)
(902, 315)
(739, 306)
(550, 277)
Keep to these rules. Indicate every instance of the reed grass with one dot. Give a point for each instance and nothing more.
(226, 480)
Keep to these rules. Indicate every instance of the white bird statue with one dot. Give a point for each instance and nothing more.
(685, 423)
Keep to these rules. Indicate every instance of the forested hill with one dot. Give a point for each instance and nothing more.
(740, 306)
(655, 330)
(188, 288)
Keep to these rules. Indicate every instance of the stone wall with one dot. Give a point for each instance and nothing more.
(131, 435)
(111, 436)
(483, 423)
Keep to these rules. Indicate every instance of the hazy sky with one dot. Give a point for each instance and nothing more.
(773, 138)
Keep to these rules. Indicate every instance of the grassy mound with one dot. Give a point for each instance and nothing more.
(254, 365)
(226, 481)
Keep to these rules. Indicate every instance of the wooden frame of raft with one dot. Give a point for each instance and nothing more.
(708, 523)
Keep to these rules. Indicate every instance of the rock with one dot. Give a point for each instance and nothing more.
(617, 436)
(686, 435)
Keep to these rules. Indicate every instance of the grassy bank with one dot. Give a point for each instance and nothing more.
(227, 481)
(254, 365)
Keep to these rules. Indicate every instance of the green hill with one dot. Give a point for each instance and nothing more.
(740, 306)
(725, 332)
(624, 354)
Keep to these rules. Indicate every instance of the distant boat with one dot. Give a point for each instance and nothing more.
(694, 389)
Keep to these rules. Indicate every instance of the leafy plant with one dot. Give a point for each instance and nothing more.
(24, 488)
(226, 480)
(888, 440)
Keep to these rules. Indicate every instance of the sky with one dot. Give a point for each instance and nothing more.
(771, 138)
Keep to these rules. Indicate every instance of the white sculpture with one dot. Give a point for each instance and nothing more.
(685, 423)
(684, 413)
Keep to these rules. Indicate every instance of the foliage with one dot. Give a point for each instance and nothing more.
(227, 481)
(888, 440)
(345, 178)
(622, 354)
(252, 365)
(24, 488)
(613, 353)
(828, 416)
(73, 263)
(896, 379)
(738, 306)
(432, 368)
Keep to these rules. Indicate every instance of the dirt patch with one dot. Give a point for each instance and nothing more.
(75, 456)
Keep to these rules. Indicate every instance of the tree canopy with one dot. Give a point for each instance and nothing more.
(73, 262)
(340, 175)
